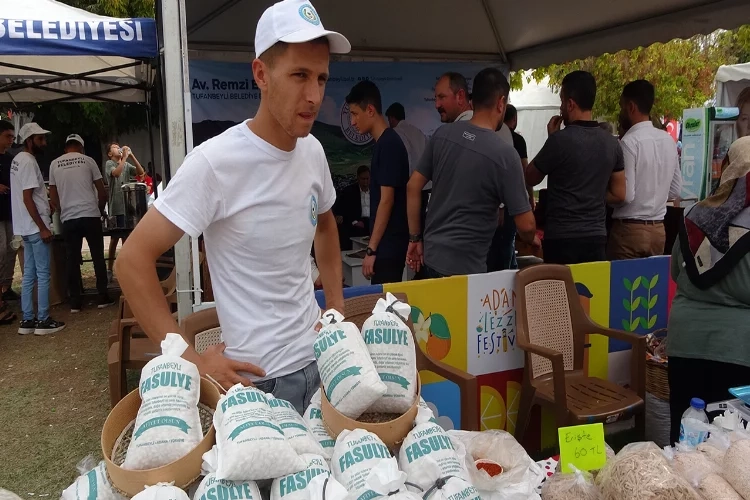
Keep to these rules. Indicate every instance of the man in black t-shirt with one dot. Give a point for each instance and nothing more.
(7, 254)
(389, 174)
(585, 166)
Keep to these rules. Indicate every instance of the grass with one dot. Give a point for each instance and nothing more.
(54, 398)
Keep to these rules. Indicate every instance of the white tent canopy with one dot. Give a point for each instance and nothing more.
(536, 104)
(525, 34)
(730, 81)
(50, 51)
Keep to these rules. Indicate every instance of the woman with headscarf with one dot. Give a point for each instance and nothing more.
(709, 323)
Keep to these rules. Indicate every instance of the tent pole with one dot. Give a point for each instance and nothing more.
(151, 144)
(174, 53)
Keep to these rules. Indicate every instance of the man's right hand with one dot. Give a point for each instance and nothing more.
(46, 235)
(554, 124)
(4, 189)
(224, 370)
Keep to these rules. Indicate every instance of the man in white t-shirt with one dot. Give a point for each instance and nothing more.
(31, 221)
(260, 193)
(71, 178)
(652, 178)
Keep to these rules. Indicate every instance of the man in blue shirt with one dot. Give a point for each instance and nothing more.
(389, 229)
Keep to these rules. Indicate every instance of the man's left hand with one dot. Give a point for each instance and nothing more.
(415, 256)
(4, 189)
(338, 307)
(368, 266)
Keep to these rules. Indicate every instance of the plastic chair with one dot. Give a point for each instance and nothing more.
(358, 309)
(552, 328)
(200, 329)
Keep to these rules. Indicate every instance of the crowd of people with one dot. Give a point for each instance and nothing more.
(456, 203)
(260, 221)
(76, 190)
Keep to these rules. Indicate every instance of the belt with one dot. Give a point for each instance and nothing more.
(642, 222)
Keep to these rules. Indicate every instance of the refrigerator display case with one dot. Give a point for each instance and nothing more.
(707, 134)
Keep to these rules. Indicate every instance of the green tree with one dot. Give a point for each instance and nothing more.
(737, 43)
(116, 8)
(681, 70)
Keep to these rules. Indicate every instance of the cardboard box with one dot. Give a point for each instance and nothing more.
(391, 433)
(183, 471)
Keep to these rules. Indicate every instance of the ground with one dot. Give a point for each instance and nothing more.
(54, 399)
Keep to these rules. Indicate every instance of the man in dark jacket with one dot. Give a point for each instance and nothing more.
(352, 209)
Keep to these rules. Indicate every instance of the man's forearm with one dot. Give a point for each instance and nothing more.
(413, 209)
(140, 286)
(328, 256)
(138, 168)
(117, 172)
(527, 236)
(382, 217)
(612, 200)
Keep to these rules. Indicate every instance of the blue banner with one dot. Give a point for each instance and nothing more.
(135, 38)
(224, 94)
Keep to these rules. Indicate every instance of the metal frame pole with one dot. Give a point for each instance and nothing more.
(175, 63)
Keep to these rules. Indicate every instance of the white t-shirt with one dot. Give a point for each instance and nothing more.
(652, 173)
(25, 174)
(257, 207)
(74, 175)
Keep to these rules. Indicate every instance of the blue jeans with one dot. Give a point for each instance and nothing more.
(297, 388)
(36, 268)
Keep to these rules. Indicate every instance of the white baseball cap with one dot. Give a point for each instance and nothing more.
(74, 137)
(30, 129)
(295, 21)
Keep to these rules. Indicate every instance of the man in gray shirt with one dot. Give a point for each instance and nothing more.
(472, 172)
(72, 179)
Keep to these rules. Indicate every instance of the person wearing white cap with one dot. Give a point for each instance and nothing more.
(260, 193)
(31, 221)
(70, 179)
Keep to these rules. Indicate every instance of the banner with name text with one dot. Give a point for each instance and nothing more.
(224, 94)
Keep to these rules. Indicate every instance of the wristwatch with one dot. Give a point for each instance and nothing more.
(415, 238)
(370, 252)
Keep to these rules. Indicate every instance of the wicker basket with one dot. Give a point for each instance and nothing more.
(657, 382)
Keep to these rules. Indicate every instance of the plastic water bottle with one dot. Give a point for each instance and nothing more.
(693, 427)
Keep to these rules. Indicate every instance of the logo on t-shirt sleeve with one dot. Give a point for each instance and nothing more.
(313, 210)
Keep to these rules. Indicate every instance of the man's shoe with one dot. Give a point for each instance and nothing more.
(27, 327)
(48, 326)
(75, 310)
(105, 302)
(10, 296)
